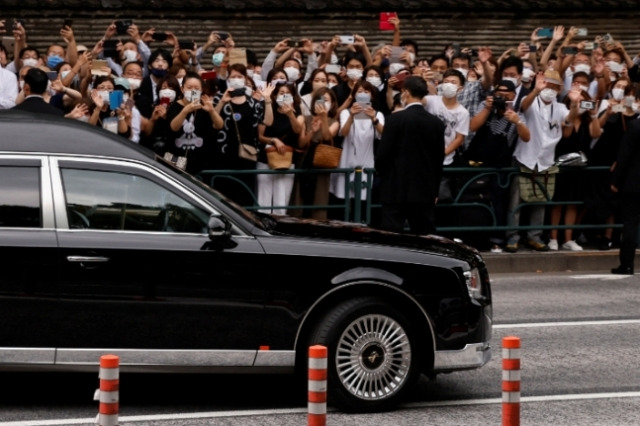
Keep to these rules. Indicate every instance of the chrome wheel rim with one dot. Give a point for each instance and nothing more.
(373, 357)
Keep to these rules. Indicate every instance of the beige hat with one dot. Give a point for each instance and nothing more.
(552, 76)
(81, 48)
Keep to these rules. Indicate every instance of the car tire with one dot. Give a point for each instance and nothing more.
(372, 355)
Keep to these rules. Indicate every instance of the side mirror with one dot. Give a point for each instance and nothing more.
(218, 228)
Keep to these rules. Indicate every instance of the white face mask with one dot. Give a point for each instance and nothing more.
(293, 73)
(354, 73)
(21, 84)
(584, 88)
(449, 90)
(514, 80)
(30, 62)
(617, 94)
(463, 71)
(277, 81)
(634, 106)
(250, 73)
(64, 74)
(168, 93)
(134, 83)
(180, 81)
(248, 91)
(375, 81)
(363, 97)
(331, 85)
(130, 55)
(395, 68)
(236, 83)
(412, 56)
(334, 59)
(327, 105)
(548, 95)
(582, 68)
(527, 74)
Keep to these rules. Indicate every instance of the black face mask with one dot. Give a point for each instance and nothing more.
(237, 93)
(158, 72)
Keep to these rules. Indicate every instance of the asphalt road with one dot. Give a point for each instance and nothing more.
(580, 366)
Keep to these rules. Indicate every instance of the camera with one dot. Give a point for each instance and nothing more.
(222, 35)
(159, 36)
(588, 105)
(499, 103)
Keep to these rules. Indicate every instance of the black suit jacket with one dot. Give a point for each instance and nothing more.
(626, 175)
(409, 157)
(39, 105)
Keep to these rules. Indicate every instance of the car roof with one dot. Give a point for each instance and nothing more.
(43, 133)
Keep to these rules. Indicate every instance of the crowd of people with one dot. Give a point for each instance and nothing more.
(561, 92)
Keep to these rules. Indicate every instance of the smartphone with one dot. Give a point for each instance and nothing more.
(401, 77)
(385, 25)
(186, 45)
(396, 52)
(9, 43)
(159, 36)
(16, 22)
(97, 65)
(296, 44)
(569, 50)
(67, 23)
(165, 101)
(109, 48)
(437, 76)
(361, 115)
(195, 96)
(209, 75)
(545, 32)
(52, 75)
(588, 105)
(222, 35)
(533, 48)
(287, 98)
(122, 26)
(628, 101)
(116, 98)
(347, 39)
(589, 45)
(617, 108)
(456, 48)
(582, 32)
(332, 68)
(607, 38)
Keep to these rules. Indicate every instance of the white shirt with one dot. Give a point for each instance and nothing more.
(545, 126)
(8, 89)
(456, 120)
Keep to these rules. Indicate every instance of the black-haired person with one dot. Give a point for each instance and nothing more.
(319, 79)
(35, 86)
(354, 64)
(105, 115)
(160, 61)
(156, 129)
(409, 163)
(360, 126)
(193, 122)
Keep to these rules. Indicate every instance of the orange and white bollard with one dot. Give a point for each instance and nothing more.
(317, 408)
(510, 381)
(108, 393)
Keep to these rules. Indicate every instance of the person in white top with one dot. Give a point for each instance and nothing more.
(8, 89)
(545, 117)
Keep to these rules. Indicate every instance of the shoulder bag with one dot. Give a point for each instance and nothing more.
(245, 151)
(326, 156)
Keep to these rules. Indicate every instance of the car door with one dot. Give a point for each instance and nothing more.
(138, 270)
(28, 252)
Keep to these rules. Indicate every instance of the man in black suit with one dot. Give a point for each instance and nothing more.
(626, 182)
(35, 85)
(409, 163)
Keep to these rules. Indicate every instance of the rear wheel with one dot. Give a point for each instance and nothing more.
(373, 356)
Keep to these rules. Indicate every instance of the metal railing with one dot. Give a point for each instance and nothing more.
(464, 176)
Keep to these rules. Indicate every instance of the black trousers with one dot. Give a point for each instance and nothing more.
(630, 213)
(419, 216)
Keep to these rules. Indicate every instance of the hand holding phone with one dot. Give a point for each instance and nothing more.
(67, 23)
(122, 26)
(545, 32)
(347, 39)
(384, 24)
(159, 36)
(222, 35)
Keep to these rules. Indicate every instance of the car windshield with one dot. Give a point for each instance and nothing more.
(264, 221)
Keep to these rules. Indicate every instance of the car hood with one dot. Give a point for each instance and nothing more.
(348, 231)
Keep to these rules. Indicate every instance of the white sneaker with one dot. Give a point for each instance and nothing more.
(553, 245)
(571, 245)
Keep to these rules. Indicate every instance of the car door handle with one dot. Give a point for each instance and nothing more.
(87, 259)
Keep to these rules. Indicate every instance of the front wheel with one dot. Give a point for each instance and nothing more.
(372, 354)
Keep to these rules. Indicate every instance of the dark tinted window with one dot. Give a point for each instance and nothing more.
(20, 197)
(122, 201)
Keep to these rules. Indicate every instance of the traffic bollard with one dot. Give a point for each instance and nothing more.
(510, 381)
(317, 408)
(108, 393)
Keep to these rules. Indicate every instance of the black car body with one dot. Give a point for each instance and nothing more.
(108, 249)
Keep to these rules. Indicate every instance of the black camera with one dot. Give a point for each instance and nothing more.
(499, 103)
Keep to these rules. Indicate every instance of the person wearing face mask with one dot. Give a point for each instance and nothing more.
(146, 96)
(570, 186)
(194, 124)
(614, 117)
(354, 64)
(374, 75)
(581, 63)
(156, 129)
(318, 80)
(133, 50)
(409, 162)
(241, 115)
(511, 69)
(545, 117)
(360, 126)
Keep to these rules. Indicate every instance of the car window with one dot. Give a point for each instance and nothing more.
(121, 201)
(20, 204)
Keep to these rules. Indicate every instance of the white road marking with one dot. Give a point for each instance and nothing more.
(566, 324)
(221, 414)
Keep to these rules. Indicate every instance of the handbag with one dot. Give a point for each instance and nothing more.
(537, 186)
(177, 160)
(279, 161)
(326, 156)
(245, 151)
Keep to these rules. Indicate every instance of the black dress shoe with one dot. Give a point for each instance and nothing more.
(622, 270)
